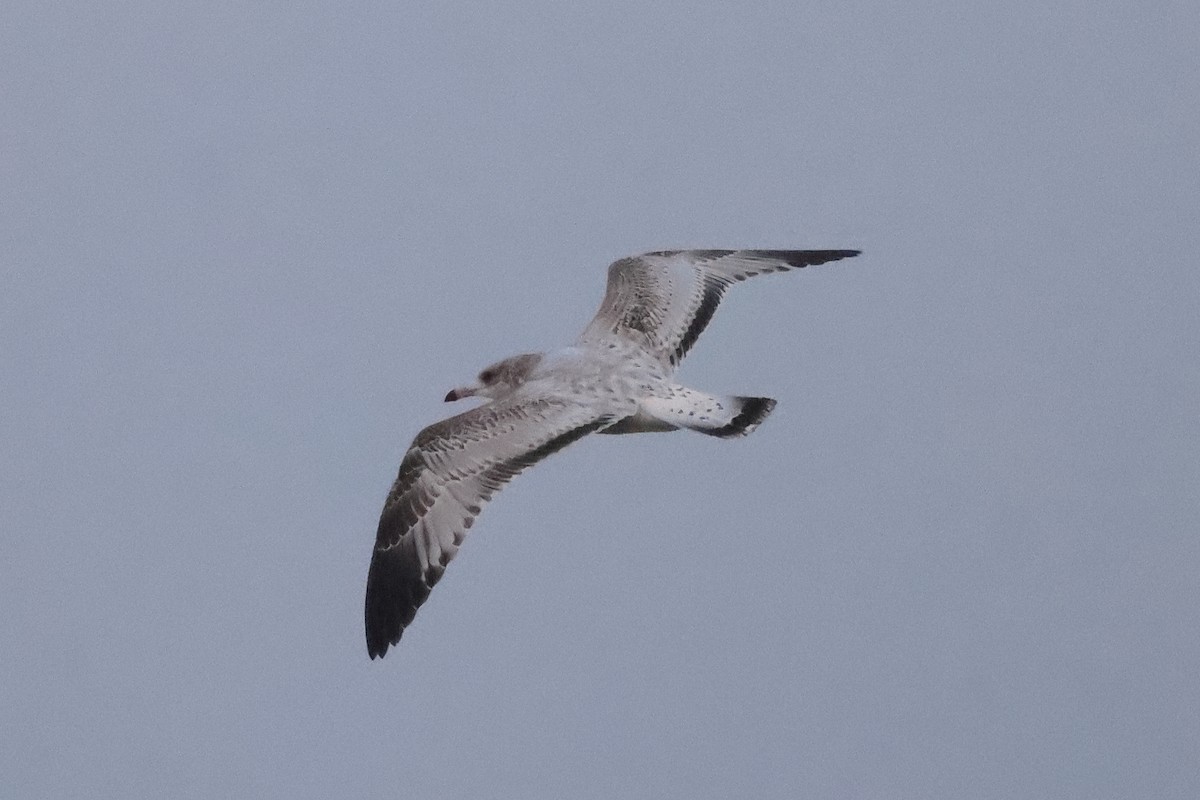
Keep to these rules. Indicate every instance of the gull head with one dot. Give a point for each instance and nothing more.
(499, 379)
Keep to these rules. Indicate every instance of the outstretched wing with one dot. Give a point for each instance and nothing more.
(450, 471)
(662, 301)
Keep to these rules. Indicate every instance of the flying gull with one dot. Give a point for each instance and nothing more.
(616, 378)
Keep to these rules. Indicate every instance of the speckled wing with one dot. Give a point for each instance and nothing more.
(662, 301)
(449, 473)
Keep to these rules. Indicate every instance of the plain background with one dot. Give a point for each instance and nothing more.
(247, 247)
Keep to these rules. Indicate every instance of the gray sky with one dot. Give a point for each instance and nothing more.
(247, 249)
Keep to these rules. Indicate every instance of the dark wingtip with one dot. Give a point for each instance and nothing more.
(394, 592)
(378, 650)
(379, 639)
(382, 632)
(809, 258)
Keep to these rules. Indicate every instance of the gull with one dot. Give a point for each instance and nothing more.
(616, 378)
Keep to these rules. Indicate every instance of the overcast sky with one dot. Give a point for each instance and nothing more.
(247, 248)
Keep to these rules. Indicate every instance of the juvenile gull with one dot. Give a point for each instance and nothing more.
(616, 378)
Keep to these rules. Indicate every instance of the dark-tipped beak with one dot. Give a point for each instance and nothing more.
(461, 392)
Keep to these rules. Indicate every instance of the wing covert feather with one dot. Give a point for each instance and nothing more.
(451, 470)
(662, 301)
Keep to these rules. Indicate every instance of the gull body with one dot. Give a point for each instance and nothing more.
(617, 378)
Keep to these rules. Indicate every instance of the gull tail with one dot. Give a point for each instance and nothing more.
(723, 417)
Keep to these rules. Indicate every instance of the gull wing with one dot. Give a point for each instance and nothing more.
(449, 473)
(662, 301)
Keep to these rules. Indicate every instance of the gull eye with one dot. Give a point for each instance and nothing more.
(488, 375)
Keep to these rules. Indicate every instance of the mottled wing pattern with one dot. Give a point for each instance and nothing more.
(662, 301)
(450, 471)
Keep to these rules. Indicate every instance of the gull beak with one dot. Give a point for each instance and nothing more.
(461, 392)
